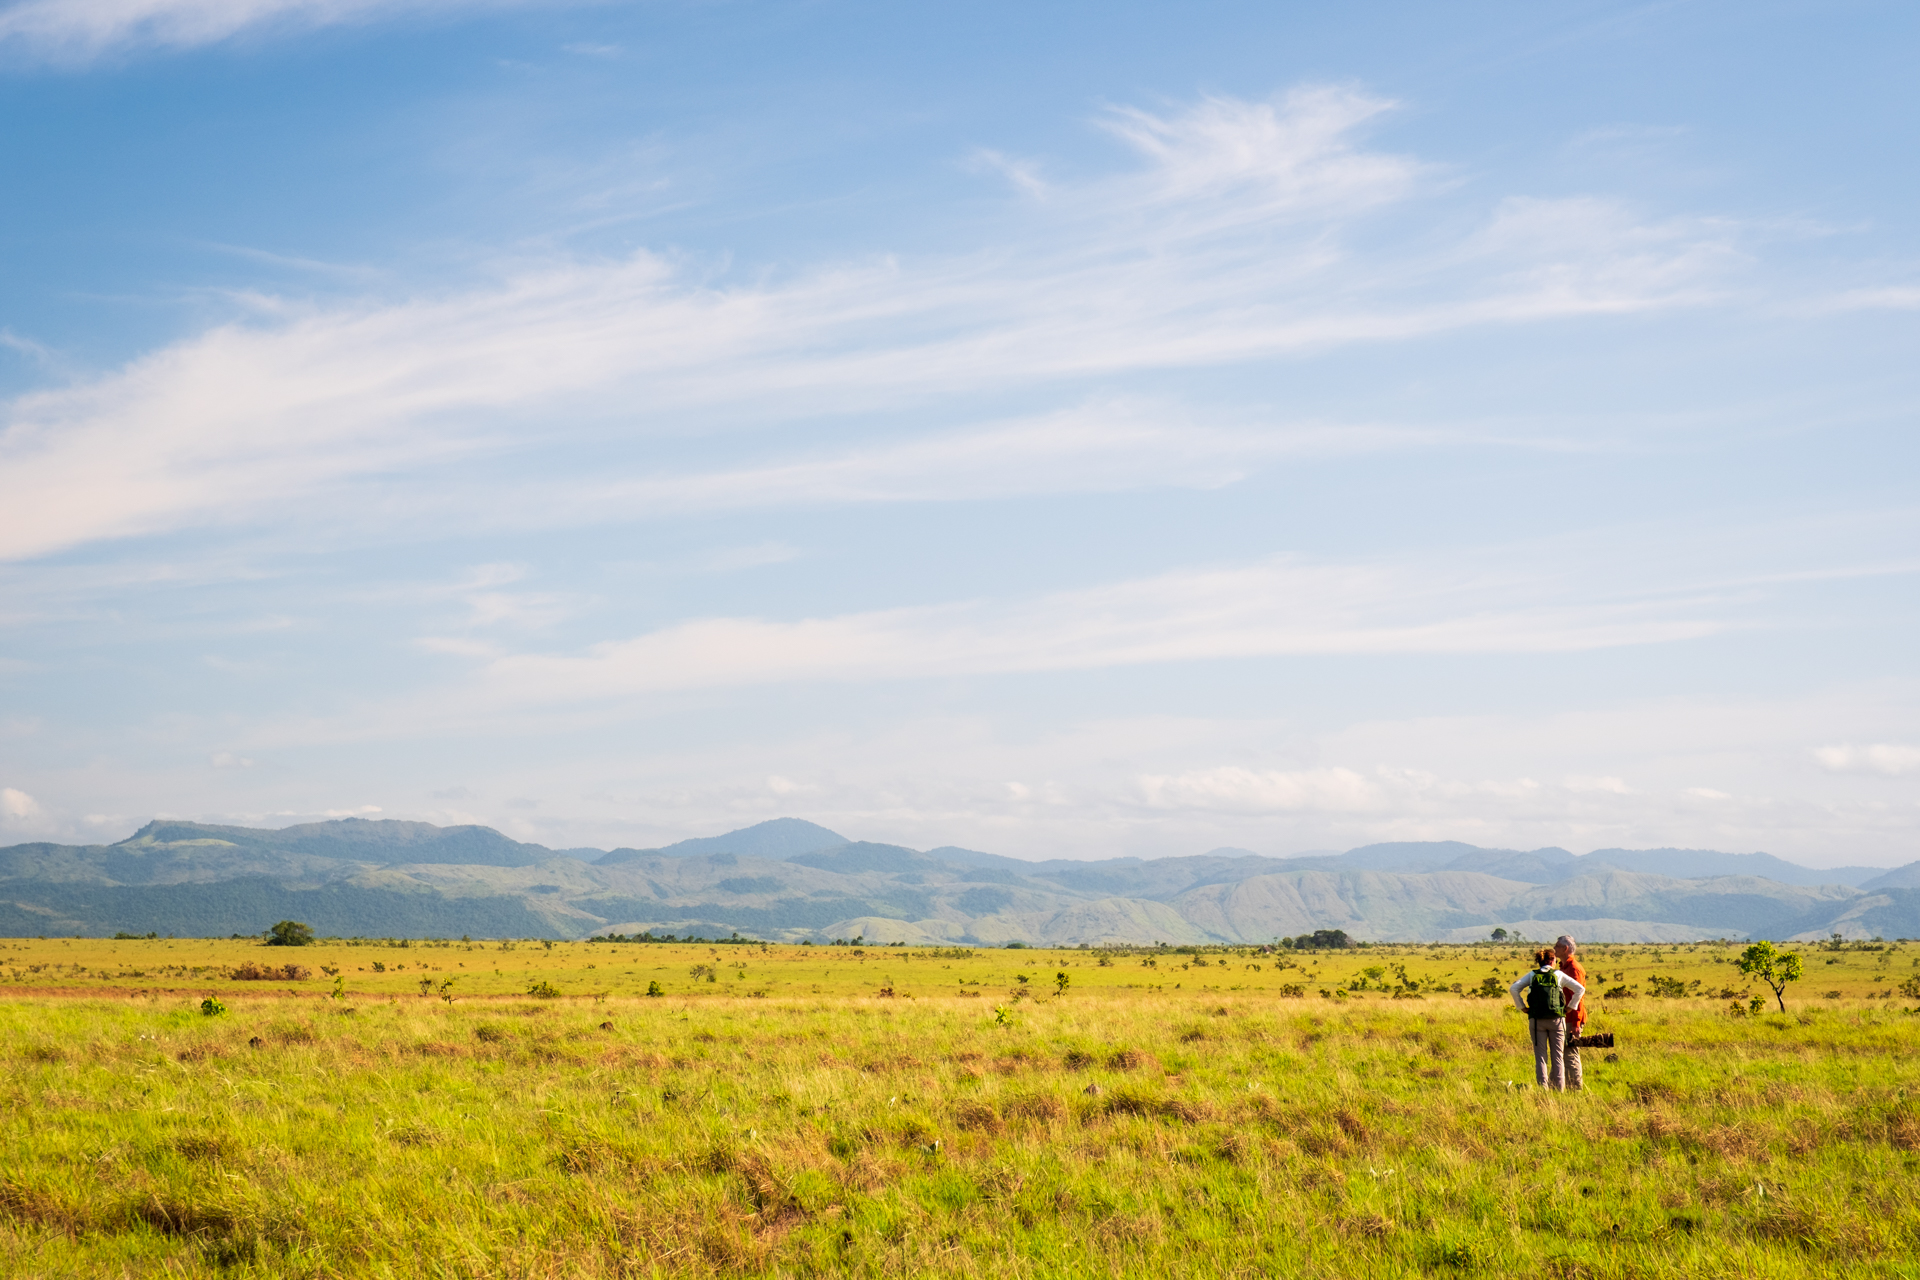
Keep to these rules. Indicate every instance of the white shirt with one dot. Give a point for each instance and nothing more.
(1519, 989)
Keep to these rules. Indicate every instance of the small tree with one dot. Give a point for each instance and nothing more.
(1772, 966)
(1499, 935)
(290, 933)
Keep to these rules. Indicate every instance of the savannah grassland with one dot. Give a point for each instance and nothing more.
(776, 1112)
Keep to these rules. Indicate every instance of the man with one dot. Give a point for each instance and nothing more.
(1564, 950)
(1546, 995)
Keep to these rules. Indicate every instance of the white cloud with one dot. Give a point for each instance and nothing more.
(1889, 758)
(1262, 791)
(18, 806)
(1023, 174)
(1266, 159)
(228, 760)
(1225, 247)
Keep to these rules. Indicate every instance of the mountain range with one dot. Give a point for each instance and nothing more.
(791, 880)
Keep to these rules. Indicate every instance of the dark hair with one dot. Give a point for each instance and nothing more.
(1543, 957)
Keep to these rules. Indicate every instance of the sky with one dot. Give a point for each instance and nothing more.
(1075, 430)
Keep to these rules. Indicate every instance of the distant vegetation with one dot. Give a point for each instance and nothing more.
(1319, 940)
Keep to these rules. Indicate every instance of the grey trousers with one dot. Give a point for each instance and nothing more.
(1549, 1052)
(1575, 1080)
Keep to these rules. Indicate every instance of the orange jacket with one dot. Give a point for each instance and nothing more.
(1576, 1018)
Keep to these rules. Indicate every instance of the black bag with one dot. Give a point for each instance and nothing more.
(1598, 1040)
(1543, 996)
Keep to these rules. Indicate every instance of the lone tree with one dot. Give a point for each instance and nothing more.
(289, 933)
(1499, 935)
(1772, 966)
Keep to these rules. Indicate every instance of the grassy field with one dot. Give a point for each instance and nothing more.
(886, 1111)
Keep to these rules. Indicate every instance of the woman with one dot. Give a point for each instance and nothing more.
(1546, 995)
(1565, 951)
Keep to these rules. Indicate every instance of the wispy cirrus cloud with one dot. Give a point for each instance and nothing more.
(1223, 248)
(1277, 607)
(1090, 448)
(72, 31)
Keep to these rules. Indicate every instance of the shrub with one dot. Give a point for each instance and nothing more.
(211, 1007)
(251, 972)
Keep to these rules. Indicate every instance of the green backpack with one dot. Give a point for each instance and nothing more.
(1543, 996)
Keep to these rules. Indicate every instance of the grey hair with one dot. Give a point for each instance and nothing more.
(1563, 942)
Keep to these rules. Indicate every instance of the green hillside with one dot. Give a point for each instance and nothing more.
(790, 880)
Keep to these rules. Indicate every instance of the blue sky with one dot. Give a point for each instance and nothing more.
(1069, 430)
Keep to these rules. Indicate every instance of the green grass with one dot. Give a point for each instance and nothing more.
(1151, 1121)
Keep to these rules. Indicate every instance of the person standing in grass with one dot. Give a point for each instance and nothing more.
(1545, 995)
(1565, 951)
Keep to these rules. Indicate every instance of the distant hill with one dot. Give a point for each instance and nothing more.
(779, 838)
(789, 879)
(1907, 877)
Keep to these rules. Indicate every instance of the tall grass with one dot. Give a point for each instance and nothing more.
(1115, 1129)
